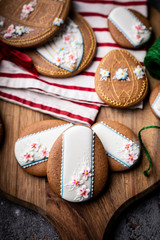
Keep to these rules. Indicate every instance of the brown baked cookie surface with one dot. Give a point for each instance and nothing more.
(34, 143)
(31, 23)
(69, 52)
(120, 144)
(129, 28)
(154, 101)
(77, 167)
(120, 80)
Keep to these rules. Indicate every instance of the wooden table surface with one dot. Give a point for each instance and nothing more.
(85, 220)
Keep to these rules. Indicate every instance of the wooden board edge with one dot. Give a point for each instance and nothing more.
(137, 199)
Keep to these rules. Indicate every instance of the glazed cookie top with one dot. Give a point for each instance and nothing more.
(120, 80)
(69, 52)
(154, 100)
(74, 171)
(128, 27)
(34, 144)
(31, 23)
(120, 143)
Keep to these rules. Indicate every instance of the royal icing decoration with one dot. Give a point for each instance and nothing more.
(77, 171)
(156, 105)
(20, 30)
(27, 9)
(104, 74)
(10, 30)
(58, 21)
(121, 74)
(14, 31)
(130, 26)
(1, 22)
(66, 49)
(139, 72)
(35, 148)
(117, 145)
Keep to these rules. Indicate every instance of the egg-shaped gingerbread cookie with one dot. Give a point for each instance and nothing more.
(77, 167)
(30, 23)
(34, 143)
(154, 101)
(120, 143)
(120, 80)
(129, 28)
(69, 52)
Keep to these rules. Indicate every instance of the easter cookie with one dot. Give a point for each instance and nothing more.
(120, 80)
(120, 143)
(31, 23)
(77, 167)
(34, 143)
(129, 28)
(69, 52)
(154, 101)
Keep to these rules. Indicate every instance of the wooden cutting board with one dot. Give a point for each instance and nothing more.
(88, 220)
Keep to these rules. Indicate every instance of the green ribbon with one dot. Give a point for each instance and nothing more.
(152, 60)
(148, 156)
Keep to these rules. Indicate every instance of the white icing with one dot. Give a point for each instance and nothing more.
(126, 21)
(44, 140)
(77, 158)
(66, 49)
(115, 144)
(156, 105)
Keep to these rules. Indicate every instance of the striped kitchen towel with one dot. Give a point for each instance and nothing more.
(73, 99)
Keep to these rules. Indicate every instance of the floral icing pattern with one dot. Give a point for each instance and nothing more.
(67, 46)
(10, 31)
(44, 152)
(80, 180)
(28, 157)
(58, 21)
(121, 74)
(140, 30)
(13, 31)
(82, 193)
(27, 9)
(20, 30)
(139, 72)
(130, 152)
(35, 153)
(104, 74)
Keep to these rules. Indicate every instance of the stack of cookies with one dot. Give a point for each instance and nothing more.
(60, 43)
(75, 158)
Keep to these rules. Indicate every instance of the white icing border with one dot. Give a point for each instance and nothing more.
(22, 147)
(124, 137)
(154, 106)
(81, 165)
(124, 33)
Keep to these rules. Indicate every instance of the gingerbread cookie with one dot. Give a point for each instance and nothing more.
(77, 167)
(129, 28)
(31, 23)
(120, 80)
(34, 143)
(154, 101)
(69, 52)
(120, 143)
